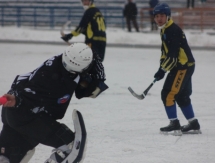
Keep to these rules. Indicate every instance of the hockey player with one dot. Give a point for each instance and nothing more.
(177, 58)
(38, 99)
(92, 25)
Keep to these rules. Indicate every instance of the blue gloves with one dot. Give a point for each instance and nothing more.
(67, 37)
(159, 74)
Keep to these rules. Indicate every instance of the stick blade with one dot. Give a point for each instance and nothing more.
(62, 30)
(140, 97)
(64, 26)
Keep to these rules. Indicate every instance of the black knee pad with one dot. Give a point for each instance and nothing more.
(65, 134)
(62, 136)
(183, 101)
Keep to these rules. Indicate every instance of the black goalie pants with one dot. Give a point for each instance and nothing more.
(23, 130)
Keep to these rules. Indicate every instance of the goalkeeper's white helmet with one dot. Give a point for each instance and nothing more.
(77, 57)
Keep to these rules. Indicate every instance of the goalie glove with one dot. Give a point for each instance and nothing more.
(85, 80)
(92, 90)
(99, 89)
(96, 92)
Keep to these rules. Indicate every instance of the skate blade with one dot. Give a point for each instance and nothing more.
(193, 132)
(174, 133)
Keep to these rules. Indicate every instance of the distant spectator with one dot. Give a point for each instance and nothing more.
(130, 13)
(190, 4)
(152, 4)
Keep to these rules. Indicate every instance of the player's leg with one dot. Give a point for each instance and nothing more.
(52, 133)
(168, 93)
(14, 147)
(69, 153)
(57, 135)
(99, 47)
(66, 136)
(40, 128)
(72, 153)
(184, 102)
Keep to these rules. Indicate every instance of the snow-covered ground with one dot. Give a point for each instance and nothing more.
(196, 38)
(121, 128)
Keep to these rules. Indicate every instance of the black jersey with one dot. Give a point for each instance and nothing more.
(50, 87)
(92, 25)
(174, 43)
(130, 10)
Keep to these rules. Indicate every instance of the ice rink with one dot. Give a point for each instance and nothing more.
(121, 128)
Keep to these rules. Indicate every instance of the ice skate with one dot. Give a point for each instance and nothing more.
(192, 127)
(174, 128)
(59, 154)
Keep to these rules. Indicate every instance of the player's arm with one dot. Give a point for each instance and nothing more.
(12, 97)
(169, 54)
(80, 29)
(29, 94)
(18, 97)
(171, 47)
(83, 24)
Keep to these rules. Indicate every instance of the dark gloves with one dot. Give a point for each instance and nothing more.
(85, 80)
(92, 90)
(159, 74)
(67, 37)
(89, 87)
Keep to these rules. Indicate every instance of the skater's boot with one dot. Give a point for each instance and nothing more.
(192, 127)
(60, 154)
(173, 126)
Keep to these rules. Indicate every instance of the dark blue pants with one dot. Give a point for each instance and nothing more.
(178, 87)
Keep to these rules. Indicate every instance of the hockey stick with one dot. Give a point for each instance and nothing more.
(63, 27)
(143, 95)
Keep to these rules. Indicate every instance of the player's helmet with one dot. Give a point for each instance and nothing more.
(162, 8)
(87, 6)
(77, 57)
